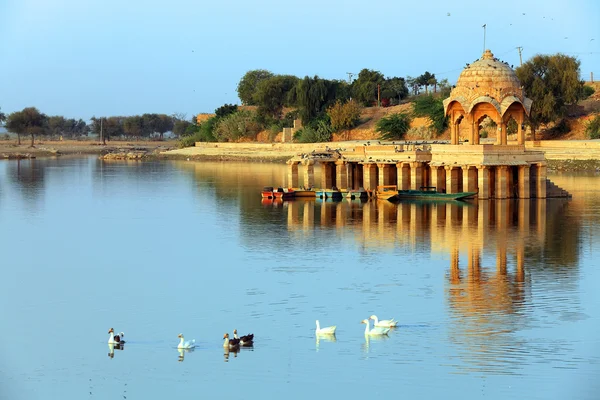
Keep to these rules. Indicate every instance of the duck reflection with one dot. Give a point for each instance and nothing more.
(228, 352)
(366, 346)
(112, 347)
(182, 353)
(324, 338)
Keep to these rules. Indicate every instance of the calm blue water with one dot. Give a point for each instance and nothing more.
(497, 300)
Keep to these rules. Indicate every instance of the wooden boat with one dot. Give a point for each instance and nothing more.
(304, 192)
(267, 192)
(284, 193)
(387, 192)
(328, 194)
(431, 193)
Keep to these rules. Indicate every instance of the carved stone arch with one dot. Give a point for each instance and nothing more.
(458, 103)
(484, 99)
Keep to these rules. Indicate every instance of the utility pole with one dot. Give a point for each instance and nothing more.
(592, 77)
(484, 25)
(520, 48)
(378, 96)
(350, 75)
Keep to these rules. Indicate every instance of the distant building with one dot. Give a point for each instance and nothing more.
(200, 118)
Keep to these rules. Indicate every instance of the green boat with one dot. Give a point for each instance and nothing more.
(431, 193)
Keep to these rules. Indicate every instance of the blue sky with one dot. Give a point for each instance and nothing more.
(80, 58)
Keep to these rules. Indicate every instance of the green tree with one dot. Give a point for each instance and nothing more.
(394, 88)
(553, 83)
(236, 126)
(310, 97)
(272, 94)
(592, 129)
(29, 121)
(2, 117)
(433, 108)
(225, 110)
(247, 86)
(133, 126)
(180, 127)
(426, 79)
(364, 88)
(394, 126)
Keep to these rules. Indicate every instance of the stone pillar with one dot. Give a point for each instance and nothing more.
(454, 133)
(349, 175)
(384, 174)
(474, 130)
(326, 175)
(341, 174)
(483, 183)
(503, 135)
(416, 175)
(451, 179)
(523, 191)
(403, 176)
(438, 178)
(309, 174)
(520, 132)
(293, 174)
(370, 176)
(357, 175)
(469, 178)
(541, 181)
(501, 182)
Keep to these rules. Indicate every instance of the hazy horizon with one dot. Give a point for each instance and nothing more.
(80, 59)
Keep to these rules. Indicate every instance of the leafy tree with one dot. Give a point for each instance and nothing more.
(344, 116)
(310, 97)
(2, 117)
(272, 94)
(394, 88)
(29, 121)
(225, 110)
(248, 84)
(394, 126)
(180, 127)
(433, 108)
(553, 83)
(413, 83)
(236, 126)
(106, 128)
(134, 126)
(426, 79)
(364, 88)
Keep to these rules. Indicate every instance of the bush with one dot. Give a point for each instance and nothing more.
(433, 108)
(344, 116)
(394, 127)
(317, 132)
(588, 91)
(236, 126)
(592, 128)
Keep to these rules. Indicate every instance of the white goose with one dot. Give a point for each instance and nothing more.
(189, 344)
(328, 330)
(377, 330)
(115, 339)
(386, 323)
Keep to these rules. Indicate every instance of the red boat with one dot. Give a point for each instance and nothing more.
(267, 193)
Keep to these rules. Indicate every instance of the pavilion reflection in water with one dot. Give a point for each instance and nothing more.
(492, 247)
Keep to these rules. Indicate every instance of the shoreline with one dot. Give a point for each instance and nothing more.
(561, 161)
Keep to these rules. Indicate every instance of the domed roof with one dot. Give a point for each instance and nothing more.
(491, 81)
(489, 72)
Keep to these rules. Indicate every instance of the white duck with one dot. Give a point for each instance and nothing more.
(189, 344)
(386, 323)
(115, 339)
(377, 330)
(328, 330)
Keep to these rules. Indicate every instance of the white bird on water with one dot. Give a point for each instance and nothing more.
(190, 344)
(386, 323)
(377, 330)
(328, 330)
(115, 339)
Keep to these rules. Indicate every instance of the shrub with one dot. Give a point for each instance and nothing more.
(394, 126)
(318, 131)
(421, 132)
(235, 126)
(592, 128)
(588, 91)
(344, 116)
(433, 108)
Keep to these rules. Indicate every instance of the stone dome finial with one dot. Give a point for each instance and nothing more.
(487, 55)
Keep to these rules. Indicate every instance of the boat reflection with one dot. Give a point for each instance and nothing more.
(324, 338)
(112, 347)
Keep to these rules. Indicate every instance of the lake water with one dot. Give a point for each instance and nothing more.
(497, 299)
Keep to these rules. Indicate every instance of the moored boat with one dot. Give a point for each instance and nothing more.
(267, 192)
(284, 193)
(356, 194)
(431, 193)
(387, 192)
(328, 194)
(304, 192)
